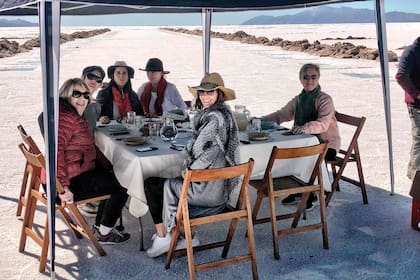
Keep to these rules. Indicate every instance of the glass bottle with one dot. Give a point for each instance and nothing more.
(168, 131)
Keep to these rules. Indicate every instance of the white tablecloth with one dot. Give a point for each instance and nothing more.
(132, 168)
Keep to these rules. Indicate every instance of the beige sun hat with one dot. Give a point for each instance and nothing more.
(211, 82)
(120, 63)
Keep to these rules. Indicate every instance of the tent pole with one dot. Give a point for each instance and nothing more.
(383, 55)
(49, 24)
(206, 23)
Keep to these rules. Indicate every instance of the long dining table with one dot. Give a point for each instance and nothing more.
(132, 167)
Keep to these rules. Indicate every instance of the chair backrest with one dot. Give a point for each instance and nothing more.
(318, 150)
(205, 175)
(357, 122)
(28, 140)
(37, 160)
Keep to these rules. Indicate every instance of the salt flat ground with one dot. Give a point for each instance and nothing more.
(374, 240)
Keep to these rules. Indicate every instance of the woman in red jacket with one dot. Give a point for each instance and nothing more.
(78, 169)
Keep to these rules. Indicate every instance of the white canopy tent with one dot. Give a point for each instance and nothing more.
(50, 11)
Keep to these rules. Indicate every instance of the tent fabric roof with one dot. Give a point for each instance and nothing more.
(103, 7)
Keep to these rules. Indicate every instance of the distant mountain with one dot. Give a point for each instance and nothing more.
(16, 23)
(333, 15)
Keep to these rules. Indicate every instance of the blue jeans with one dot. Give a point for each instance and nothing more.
(414, 163)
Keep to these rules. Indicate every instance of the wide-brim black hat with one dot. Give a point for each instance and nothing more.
(154, 65)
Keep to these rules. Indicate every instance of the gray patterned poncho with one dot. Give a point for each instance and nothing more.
(215, 144)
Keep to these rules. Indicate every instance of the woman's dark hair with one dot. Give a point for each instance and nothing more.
(220, 99)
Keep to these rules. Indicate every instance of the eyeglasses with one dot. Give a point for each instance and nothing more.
(311, 77)
(78, 94)
(91, 76)
(209, 93)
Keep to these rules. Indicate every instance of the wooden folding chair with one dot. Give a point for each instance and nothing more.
(242, 211)
(351, 154)
(273, 188)
(80, 229)
(32, 147)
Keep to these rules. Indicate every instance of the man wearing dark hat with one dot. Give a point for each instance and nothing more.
(118, 97)
(158, 96)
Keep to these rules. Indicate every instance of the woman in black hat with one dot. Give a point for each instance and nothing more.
(158, 96)
(119, 98)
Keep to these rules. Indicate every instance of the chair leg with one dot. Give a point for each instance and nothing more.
(188, 239)
(334, 172)
(229, 236)
(251, 239)
(323, 212)
(256, 207)
(44, 246)
(361, 178)
(69, 221)
(273, 218)
(81, 220)
(120, 226)
(141, 234)
(22, 194)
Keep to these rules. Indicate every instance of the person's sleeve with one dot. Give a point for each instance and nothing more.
(140, 91)
(177, 99)
(405, 67)
(326, 113)
(65, 129)
(287, 113)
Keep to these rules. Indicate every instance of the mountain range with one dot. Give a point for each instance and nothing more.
(16, 23)
(315, 15)
(332, 15)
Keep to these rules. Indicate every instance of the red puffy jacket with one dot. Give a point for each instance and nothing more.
(76, 147)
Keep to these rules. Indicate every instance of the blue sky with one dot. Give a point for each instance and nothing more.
(412, 6)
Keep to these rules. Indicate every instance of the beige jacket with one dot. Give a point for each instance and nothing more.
(325, 124)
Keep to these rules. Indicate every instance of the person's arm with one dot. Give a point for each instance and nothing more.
(287, 113)
(326, 113)
(407, 64)
(64, 136)
(176, 98)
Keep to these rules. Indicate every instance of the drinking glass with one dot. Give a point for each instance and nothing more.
(256, 124)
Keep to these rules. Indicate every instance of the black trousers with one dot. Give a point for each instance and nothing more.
(153, 189)
(331, 154)
(100, 181)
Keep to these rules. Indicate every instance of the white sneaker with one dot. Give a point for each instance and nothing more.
(182, 242)
(160, 246)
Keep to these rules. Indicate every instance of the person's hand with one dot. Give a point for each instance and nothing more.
(418, 96)
(66, 197)
(297, 130)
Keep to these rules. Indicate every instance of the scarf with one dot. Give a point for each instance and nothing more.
(305, 108)
(122, 101)
(147, 95)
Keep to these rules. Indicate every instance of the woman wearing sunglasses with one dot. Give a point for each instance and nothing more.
(214, 144)
(313, 112)
(93, 76)
(79, 169)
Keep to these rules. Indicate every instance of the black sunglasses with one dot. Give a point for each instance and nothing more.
(202, 92)
(310, 77)
(91, 76)
(77, 94)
